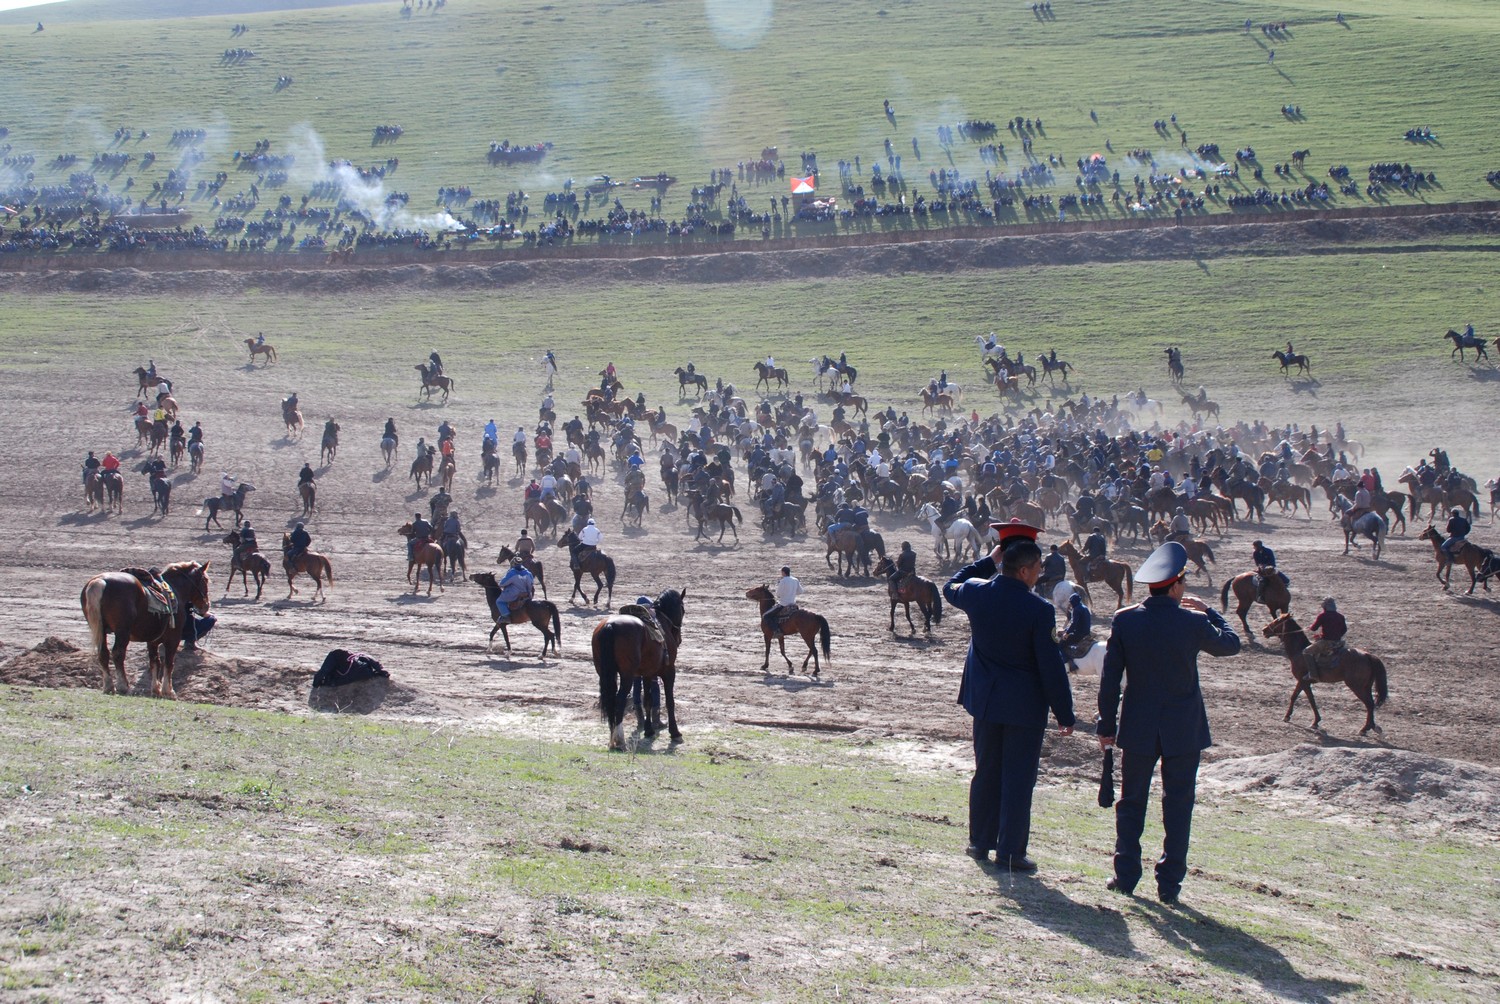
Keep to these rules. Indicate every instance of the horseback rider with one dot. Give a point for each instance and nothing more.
(786, 592)
(1264, 560)
(390, 431)
(195, 434)
(226, 485)
(260, 339)
(533, 491)
(525, 547)
(1362, 503)
(151, 369)
(1054, 570)
(1469, 331)
(110, 463)
(1330, 627)
(1458, 530)
(1079, 629)
(1181, 529)
(437, 363)
(439, 503)
(589, 539)
(305, 476)
(330, 430)
(491, 432)
(906, 565)
(90, 466)
(1096, 549)
(453, 530)
(300, 540)
(248, 543)
(421, 533)
(516, 588)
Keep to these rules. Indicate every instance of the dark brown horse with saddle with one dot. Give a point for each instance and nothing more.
(540, 614)
(130, 605)
(625, 650)
(812, 627)
(914, 589)
(531, 564)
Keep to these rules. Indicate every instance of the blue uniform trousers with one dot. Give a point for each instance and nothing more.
(1179, 780)
(1005, 768)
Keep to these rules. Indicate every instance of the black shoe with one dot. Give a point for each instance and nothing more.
(977, 853)
(1167, 898)
(1115, 885)
(1017, 864)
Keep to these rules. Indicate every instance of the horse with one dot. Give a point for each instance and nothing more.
(1276, 597)
(518, 451)
(253, 564)
(544, 515)
(388, 449)
(309, 493)
(117, 603)
(1289, 495)
(311, 564)
(1197, 550)
(424, 554)
(1115, 574)
(529, 562)
(291, 415)
(263, 349)
(434, 381)
(1174, 365)
(455, 550)
(234, 503)
(595, 563)
(768, 374)
(1471, 556)
(638, 503)
(330, 446)
(697, 381)
(539, 614)
(723, 513)
(941, 400)
(1370, 525)
(812, 627)
(1463, 341)
(176, 449)
(169, 406)
(422, 467)
(148, 383)
(1049, 367)
(959, 535)
(625, 652)
(1201, 406)
(447, 470)
(1362, 673)
(914, 589)
(1290, 359)
(161, 493)
(93, 490)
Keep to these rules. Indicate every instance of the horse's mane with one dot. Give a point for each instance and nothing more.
(669, 604)
(182, 567)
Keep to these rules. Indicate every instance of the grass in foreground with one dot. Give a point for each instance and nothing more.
(275, 857)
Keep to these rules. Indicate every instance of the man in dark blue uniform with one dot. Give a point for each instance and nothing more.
(1012, 675)
(1155, 645)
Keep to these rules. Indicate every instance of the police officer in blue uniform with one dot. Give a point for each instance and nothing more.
(1013, 674)
(1154, 647)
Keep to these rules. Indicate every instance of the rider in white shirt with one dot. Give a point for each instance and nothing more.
(786, 592)
(519, 437)
(226, 484)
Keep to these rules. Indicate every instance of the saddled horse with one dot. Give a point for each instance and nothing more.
(1463, 340)
(309, 493)
(1049, 367)
(233, 503)
(434, 381)
(722, 513)
(518, 451)
(1470, 555)
(625, 651)
(1274, 595)
(913, 589)
(1362, 673)
(768, 375)
(530, 563)
(546, 515)
(811, 626)
(596, 564)
(1115, 574)
(117, 603)
(424, 554)
(93, 490)
(253, 564)
(148, 383)
(330, 445)
(1197, 550)
(1201, 406)
(309, 563)
(291, 415)
(263, 349)
(1370, 525)
(161, 493)
(953, 541)
(697, 381)
(637, 504)
(195, 457)
(421, 467)
(942, 400)
(388, 449)
(1291, 359)
(539, 614)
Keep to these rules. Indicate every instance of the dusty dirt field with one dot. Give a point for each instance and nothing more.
(1439, 648)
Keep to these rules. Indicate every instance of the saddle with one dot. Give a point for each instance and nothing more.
(648, 618)
(1080, 648)
(160, 599)
(1324, 665)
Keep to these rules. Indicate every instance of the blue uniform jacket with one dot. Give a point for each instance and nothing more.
(1157, 642)
(1014, 671)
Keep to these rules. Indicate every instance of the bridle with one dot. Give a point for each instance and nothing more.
(1289, 633)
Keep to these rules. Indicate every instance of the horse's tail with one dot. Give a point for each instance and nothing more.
(937, 602)
(1129, 584)
(328, 567)
(825, 637)
(1224, 597)
(738, 518)
(607, 667)
(556, 627)
(90, 598)
(609, 571)
(1208, 553)
(1382, 688)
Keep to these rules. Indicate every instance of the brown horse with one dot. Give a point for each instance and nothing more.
(767, 375)
(545, 515)
(117, 602)
(1362, 673)
(422, 466)
(1471, 556)
(923, 592)
(531, 564)
(1275, 596)
(149, 383)
(721, 513)
(538, 613)
(625, 652)
(595, 564)
(447, 469)
(291, 415)
(311, 564)
(432, 381)
(264, 349)
(252, 564)
(309, 493)
(812, 627)
(93, 490)
(424, 554)
(1197, 550)
(1115, 574)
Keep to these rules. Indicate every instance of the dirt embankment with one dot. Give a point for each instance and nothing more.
(1371, 231)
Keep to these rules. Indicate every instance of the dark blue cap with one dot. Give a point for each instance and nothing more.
(1165, 565)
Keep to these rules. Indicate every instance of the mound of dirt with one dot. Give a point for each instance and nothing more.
(1444, 794)
(366, 696)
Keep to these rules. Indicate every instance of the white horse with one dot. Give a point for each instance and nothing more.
(1140, 403)
(985, 351)
(959, 535)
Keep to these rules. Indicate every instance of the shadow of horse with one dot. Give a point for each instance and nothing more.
(1489, 375)
(793, 684)
(380, 476)
(407, 599)
(83, 518)
(281, 443)
(1309, 386)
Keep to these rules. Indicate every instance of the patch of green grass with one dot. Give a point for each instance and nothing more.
(628, 89)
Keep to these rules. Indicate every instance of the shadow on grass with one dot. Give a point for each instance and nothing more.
(1101, 928)
(1229, 948)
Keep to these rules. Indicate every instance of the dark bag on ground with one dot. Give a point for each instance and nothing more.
(341, 667)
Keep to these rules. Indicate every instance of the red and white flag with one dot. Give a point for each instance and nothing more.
(804, 186)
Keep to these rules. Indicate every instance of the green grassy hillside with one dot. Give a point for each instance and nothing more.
(683, 87)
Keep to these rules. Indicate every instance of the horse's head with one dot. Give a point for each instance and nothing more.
(190, 581)
(485, 579)
(1280, 627)
(669, 606)
(568, 538)
(758, 593)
